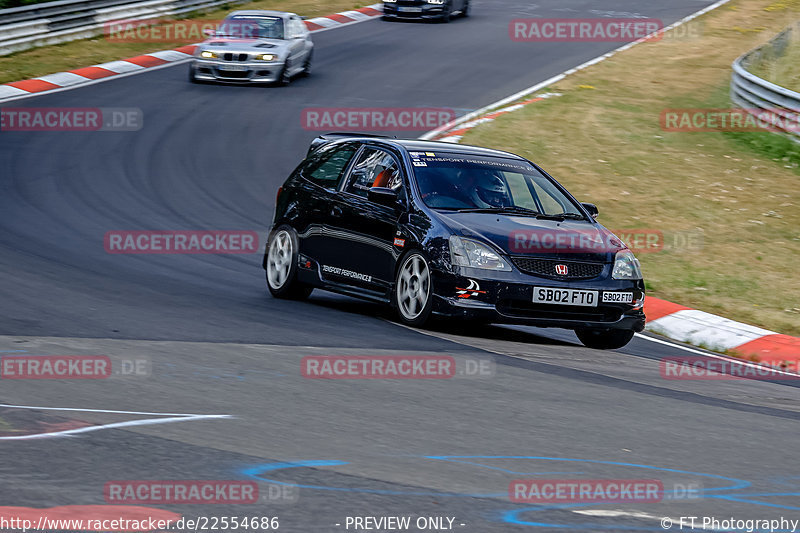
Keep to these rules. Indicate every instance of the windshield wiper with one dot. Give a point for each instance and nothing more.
(509, 209)
(515, 209)
(564, 216)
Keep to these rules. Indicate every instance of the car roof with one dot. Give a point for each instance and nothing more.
(415, 145)
(263, 12)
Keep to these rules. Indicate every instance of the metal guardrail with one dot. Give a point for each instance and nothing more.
(26, 27)
(755, 94)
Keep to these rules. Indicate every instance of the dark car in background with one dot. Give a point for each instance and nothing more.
(435, 228)
(442, 10)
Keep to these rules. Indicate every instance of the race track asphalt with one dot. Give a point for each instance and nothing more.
(212, 157)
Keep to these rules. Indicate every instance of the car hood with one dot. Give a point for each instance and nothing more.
(230, 44)
(566, 240)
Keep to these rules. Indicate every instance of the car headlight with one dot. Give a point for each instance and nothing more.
(626, 266)
(208, 55)
(266, 57)
(469, 253)
(389, 1)
(437, 2)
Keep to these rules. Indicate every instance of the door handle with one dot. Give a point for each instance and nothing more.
(336, 211)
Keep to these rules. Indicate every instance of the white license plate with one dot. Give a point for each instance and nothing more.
(549, 295)
(618, 297)
(409, 9)
(233, 68)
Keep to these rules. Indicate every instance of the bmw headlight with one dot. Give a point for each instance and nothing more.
(205, 54)
(437, 2)
(626, 266)
(266, 57)
(469, 253)
(389, 1)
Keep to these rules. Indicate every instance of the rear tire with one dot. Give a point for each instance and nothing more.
(412, 296)
(604, 339)
(282, 251)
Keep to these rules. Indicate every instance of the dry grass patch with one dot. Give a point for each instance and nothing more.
(604, 141)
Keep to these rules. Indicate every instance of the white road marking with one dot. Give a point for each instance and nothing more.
(168, 418)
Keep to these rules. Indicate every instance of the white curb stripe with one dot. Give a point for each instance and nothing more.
(120, 67)
(355, 15)
(704, 329)
(324, 22)
(170, 55)
(7, 91)
(63, 79)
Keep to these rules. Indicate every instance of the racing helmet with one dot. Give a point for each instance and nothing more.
(492, 190)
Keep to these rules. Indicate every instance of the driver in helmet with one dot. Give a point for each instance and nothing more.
(485, 189)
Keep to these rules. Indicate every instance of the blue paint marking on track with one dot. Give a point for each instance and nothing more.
(13, 351)
(515, 516)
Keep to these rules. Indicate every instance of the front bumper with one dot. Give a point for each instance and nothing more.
(507, 298)
(417, 10)
(252, 71)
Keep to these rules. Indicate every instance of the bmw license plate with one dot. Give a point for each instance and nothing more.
(549, 295)
(233, 68)
(402, 9)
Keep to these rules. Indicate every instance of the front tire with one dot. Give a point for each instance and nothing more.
(192, 75)
(447, 15)
(307, 65)
(465, 11)
(604, 339)
(285, 77)
(413, 290)
(282, 251)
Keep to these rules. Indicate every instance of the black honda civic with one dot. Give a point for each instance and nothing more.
(449, 230)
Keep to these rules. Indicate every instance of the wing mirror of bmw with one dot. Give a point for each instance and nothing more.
(383, 196)
(592, 209)
(209, 32)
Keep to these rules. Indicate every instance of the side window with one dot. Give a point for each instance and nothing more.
(325, 168)
(297, 28)
(374, 168)
(549, 202)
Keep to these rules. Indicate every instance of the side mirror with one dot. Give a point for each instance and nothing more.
(592, 209)
(209, 32)
(383, 196)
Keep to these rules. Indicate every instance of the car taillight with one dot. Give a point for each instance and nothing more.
(278, 196)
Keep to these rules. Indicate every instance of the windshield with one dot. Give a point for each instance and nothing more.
(459, 181)
(252, 27)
